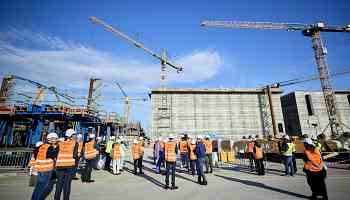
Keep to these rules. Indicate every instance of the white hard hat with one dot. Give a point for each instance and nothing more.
(61, 139)
(160, 138)
(200, 137)
(52, 136)
(92, 136)
(313, 137)
(140, 138)
(120, 137)
(99, 138)
(118, 141)
(171, 136)
(207, 136)
(70, 132)
(79, 136)
(286, 137)
(136, 141)
(309, 141)
(193, 142)
(112, 137)
(38, 144)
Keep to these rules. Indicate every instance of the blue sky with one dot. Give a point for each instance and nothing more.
(53, 42)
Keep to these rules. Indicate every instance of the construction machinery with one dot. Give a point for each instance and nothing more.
(164, 110)
(308, 30)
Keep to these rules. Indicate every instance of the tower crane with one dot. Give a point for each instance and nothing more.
(163, 119)
(127, 100)
(308, 30)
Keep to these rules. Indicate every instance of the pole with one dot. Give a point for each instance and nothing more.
(272, 111)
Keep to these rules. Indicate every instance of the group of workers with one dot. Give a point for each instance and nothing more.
(56, 161)
(115, 153)
(194, 153)
(314, 167)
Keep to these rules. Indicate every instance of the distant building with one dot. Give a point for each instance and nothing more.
(230, 112)
(305, 112)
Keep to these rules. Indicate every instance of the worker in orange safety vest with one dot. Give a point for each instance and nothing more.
(66, 164)
(116, 155)
(208, 152)
(137, 150)
(315, 170)
(90, 153)
(250, 153)
(259, 158)
(170, 151)
(183, 144)
(44, 166)
(192, 156)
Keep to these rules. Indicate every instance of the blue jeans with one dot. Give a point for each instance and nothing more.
(288, 165)
(184, 159)
(160, 160)
(43, 179)
(64, 180)
(200, 171)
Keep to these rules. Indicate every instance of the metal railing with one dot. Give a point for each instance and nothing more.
(14, 159)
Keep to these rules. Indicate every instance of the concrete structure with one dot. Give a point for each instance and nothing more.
(305, 112)
(230, 112)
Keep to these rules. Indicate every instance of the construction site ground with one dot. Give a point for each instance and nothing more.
(227, 182)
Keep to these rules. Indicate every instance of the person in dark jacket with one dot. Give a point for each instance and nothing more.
(200, 153)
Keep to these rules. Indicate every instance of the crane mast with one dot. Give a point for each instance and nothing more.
(308, 30)
(163, 116)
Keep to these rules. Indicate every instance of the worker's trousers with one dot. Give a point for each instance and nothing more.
(42, 183)
(86, 175)
(170, 166)
(64, 180)
(208, 163)
(260, 166)
(251, 160)
(116, 166)
(288, 165)
(193, 166)
(108, 162)
(215, 159)
(138, 164)
(200, 171)
(316, 181)
(160, 160)
(295, 166)
(184, 159)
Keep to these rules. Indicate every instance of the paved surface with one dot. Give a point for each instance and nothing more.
(229, 182)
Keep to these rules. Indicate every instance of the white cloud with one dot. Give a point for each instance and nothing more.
(69, 65)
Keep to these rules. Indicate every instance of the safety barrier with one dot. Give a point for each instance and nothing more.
(14, 159)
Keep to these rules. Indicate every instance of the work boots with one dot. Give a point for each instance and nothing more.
(173, 187)
(199, 180)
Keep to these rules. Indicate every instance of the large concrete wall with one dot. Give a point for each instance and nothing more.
(319, 115)
(233, 112)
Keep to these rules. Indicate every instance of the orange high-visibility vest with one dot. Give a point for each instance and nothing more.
(65, 154)
(183, 147)
(136, 151)
(90, 151)
(116, 152)
(250, 147)
(43, 164)
(208, 146)
(80, 147)
(170, 154)
(258, 153)
(193, 155)
(315, 163)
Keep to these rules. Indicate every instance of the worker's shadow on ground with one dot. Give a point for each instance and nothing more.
(246, 169)
(261, 185)
(149, 178)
